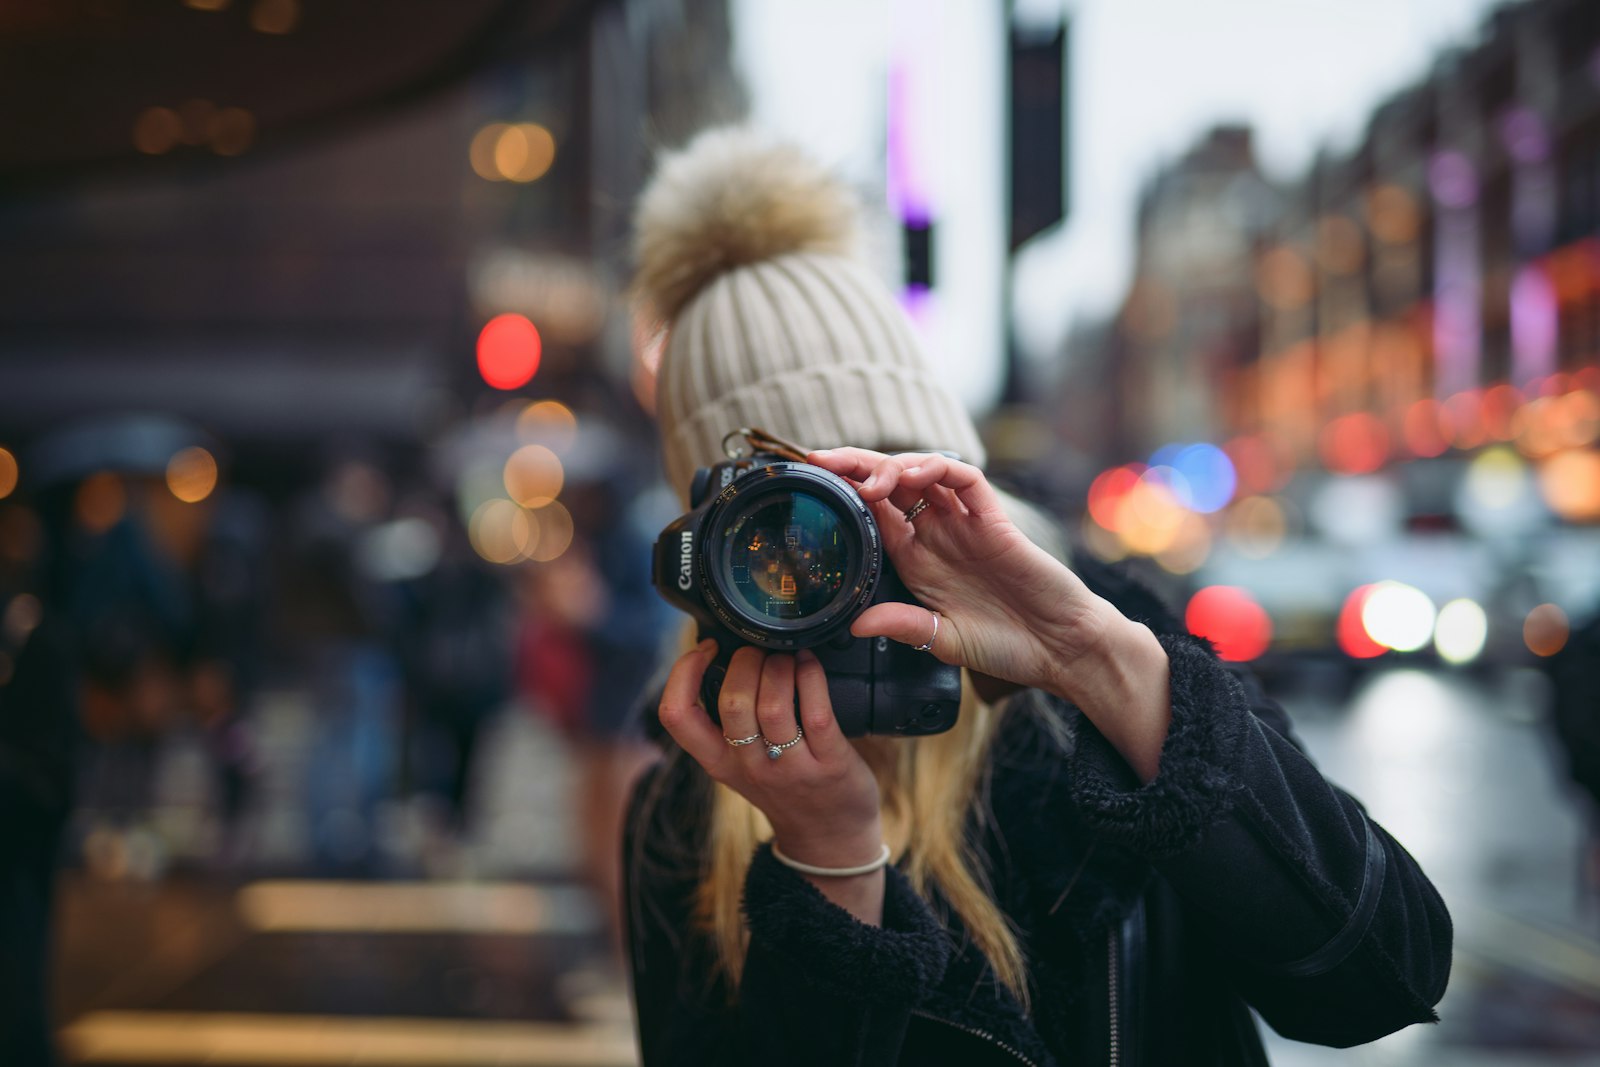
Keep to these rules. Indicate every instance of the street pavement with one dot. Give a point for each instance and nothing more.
(178, 947)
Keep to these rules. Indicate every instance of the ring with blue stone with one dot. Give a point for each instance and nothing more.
(774, 751)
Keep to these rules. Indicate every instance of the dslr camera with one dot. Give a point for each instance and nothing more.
(784, 555)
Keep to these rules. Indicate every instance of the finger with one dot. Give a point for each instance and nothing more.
(852, 463)
(775, 703)
(909, 624)
(922, 480)
(736, 704)
(823, 736)
(965, 480)
(681, 714)
(885, 477)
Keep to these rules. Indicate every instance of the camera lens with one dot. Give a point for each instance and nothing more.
(785, 556)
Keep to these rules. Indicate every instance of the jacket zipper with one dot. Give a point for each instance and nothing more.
(1114, 1051)
(981, 1034)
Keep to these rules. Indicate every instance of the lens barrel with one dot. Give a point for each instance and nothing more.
(789, 555)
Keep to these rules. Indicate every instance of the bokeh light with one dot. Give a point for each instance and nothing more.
(275, 16)
(1357, 443)
(548, 422)
(1461, 631)
(1398, 616)
(1578, 418)
(508, 351)
(1256, 526)
(521, 152)
(501, 532)
(157, 130)
(1189, 548)
(1107, 491)
(1496, 478)
(232, 131)
(533, 476)
(1229, 618)
(1426, 428)
(1570, 483)
(1465, 414)
(1254, 464)
(22, 616)
(1209, 475)
(1545, 630)
(1149, 516)
(9, 473)
(481, 152)
(1351, 631)
(555, 533)
(192, 475)
(100, 502)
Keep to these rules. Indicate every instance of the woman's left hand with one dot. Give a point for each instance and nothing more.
(1006, 607)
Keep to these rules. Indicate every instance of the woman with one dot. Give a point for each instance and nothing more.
(1119, 846)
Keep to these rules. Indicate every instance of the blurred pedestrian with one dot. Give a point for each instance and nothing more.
(458, 659)
(343, 627)
(1116, 853)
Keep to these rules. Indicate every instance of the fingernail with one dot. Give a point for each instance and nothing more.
(708, 645)
(912, 470)
(805, 655)
(822, 452)
(870, 483)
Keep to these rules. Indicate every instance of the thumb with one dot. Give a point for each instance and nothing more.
(909, 624)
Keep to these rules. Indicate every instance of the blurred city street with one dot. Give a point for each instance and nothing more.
(342, 414)
(503, 960)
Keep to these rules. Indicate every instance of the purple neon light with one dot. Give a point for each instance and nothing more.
(908, 193)
(1457, 294)
(1534, 324)
(1523, 133)
(1452, 179)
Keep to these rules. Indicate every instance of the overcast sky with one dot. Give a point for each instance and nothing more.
(1148, 77)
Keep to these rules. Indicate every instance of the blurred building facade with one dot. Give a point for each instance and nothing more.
(1384, 370)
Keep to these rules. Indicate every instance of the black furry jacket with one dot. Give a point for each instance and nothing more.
(1153, 917)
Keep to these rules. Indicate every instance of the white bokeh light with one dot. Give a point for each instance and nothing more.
(1398, 616)
(1460, 633)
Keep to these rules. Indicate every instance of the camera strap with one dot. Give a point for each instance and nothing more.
(760, 440)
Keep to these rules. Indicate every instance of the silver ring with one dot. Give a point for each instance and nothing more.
(928, 647)
(737, 741)
(916, 509)
(774, 751)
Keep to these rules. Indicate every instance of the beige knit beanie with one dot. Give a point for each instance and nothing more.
(747, 251)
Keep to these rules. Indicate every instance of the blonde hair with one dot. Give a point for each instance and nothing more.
(929, 786)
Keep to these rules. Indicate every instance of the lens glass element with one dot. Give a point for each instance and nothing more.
(786, 557)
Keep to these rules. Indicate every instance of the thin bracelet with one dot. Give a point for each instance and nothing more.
(833, 872)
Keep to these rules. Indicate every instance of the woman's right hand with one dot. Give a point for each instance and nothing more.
(819, 795)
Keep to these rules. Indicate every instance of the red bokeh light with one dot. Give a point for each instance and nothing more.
(1357, 443)
(1229, 618)
(1426, 428)
(1255, 465)
(508, 351)
(1107, 491)
(1352, 632)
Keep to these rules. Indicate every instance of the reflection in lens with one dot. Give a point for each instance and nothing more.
(787, 557)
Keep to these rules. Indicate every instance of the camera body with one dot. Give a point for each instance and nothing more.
(785, 555)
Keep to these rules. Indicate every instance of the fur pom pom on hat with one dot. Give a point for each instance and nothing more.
(747, 250)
